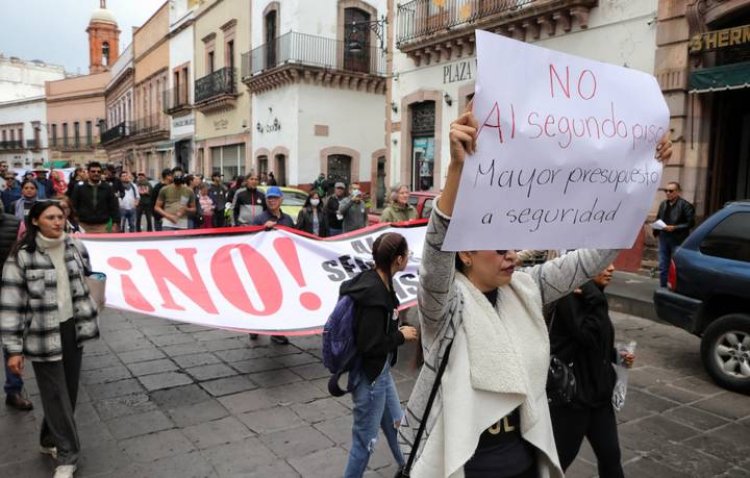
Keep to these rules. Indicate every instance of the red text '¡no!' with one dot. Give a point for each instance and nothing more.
(189, 280)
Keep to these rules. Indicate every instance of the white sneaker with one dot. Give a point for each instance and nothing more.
(65, 471)
(48, 450)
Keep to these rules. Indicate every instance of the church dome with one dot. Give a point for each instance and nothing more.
(102, 15)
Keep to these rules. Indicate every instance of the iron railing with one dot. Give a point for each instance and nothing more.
(76, 143)
(120, 131)
(11, 144)
(219, 83)
(151, 124)
(420, 18)
(311, 50)
(176, 99)
(33, 144)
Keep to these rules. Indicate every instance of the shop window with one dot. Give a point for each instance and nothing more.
(230, 160)
(423, 146)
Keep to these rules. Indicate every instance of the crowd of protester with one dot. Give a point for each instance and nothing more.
(492, 417)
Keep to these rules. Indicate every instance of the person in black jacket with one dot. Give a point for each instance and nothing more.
(14, 396)
(335, 222)
(679, 217)
(378, 336)
(582, 334)
(96, 202)
(312, 218)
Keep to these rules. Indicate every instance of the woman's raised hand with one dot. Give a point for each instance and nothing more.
(664, 149)
(463, 135)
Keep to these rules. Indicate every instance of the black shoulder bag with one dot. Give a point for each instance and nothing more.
(404, 472)
(561, 381)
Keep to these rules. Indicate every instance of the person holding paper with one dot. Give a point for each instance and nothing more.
(490, 417)
(678, 217)
(582, 334)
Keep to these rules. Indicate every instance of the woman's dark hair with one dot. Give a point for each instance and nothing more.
(29, 181)
(460, 266)
(310, 195)
(386, 248)
(28, 240)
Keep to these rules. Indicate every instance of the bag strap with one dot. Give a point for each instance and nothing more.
(423, 424)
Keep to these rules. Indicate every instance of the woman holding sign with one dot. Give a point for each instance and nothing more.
(483, 411)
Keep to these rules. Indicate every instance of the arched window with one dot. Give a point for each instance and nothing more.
(105, 53)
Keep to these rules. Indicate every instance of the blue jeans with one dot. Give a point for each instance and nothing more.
(13, 382)
(376, 405)
(127, 216)
(667, 246)
(334, 232)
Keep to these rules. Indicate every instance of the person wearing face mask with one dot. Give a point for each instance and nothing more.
(46, 315)
(312, 218)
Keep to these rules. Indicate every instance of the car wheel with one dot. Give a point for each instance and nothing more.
(725, 350)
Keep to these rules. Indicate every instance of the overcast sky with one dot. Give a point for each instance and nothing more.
(54, 31)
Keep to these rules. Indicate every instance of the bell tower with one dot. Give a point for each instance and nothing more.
(104, 39)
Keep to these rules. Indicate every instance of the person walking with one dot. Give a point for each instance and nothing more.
(378, 336)
(335, 222)
(145, 205)
(175, 203)
(166, 179)
(29, 191)
(582, 334)
(270, 218)
(218, 192)
(48, 267)
(248, 202)
(129, 199)
(399, 210)
(353, 210)
(679, 217)
(207, 207)
(96, 202)
(311, 218)
(14, 393)
(491, 417)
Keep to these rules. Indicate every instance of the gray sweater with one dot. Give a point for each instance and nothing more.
(355, 214)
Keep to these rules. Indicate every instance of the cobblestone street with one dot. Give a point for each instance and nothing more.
(162, 399)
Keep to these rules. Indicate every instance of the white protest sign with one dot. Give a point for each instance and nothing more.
(565, 152)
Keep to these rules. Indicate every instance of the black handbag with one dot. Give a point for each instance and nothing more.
(561, 379)
(406, 469)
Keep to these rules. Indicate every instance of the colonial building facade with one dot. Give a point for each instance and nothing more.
(318, 89)
(222, 108)
(119, 99)
(703, 67)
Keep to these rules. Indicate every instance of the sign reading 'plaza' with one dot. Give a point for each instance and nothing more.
(720, 39)
(460, 71)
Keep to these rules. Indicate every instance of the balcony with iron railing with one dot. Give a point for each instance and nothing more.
(33, 144)
(154, 127)
(74, 143)
(116, 133)
(176, 101)
(431, 32)
(301, 57)
(12, 145)
(217, 90)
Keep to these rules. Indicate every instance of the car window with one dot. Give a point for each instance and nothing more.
(730, 238)
(413, 200)
(294, 199)
(427, 209)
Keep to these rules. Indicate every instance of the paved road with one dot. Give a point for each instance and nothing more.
(162, 399)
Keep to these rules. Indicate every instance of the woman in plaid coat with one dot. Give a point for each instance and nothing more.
(46, 313)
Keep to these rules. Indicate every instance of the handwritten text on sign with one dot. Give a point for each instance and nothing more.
(262, 282)
(565, 151)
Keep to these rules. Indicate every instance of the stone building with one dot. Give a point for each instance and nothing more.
(703, 67)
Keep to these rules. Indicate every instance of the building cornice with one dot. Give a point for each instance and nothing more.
(290, 74)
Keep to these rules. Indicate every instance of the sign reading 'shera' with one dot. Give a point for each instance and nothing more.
(565, 151)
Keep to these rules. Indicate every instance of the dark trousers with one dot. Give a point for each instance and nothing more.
(219, 220)
(667, 247)
(599, 426)
(13, 382)
(58, 389)
(140, 211)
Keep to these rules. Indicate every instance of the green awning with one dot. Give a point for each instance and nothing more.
(720, 78)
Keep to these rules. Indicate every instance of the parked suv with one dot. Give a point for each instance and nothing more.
(708, 293)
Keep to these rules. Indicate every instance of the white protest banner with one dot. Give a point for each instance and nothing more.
(565, 153)
(242, 278)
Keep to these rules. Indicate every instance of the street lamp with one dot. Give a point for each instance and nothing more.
(354, 44)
